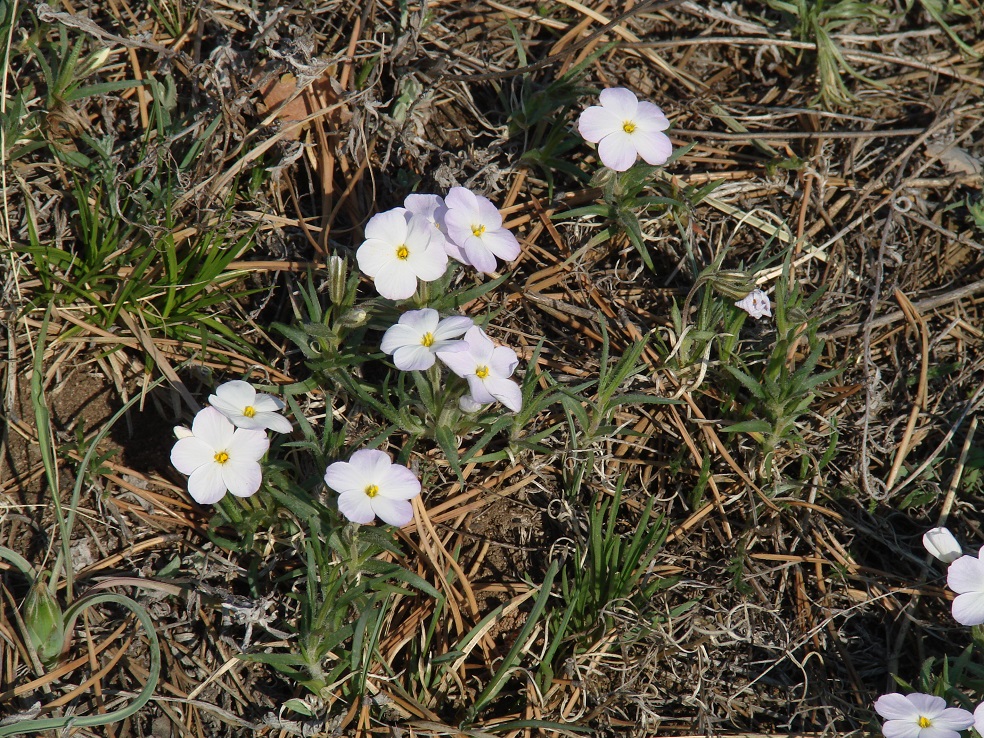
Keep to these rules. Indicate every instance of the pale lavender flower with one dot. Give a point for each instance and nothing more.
(487, 369)
(475, 235)
(623, 127)
(920, 715)
(240, 403)
(370, 485)
(756, 304)
(218, 457)
(399, 249)
(415, 340)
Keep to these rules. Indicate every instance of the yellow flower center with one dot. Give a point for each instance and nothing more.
(478, 230)
(628, 126)
(427, 340)
(402, 252)
(482, 372)
(372, 490)
(249, 411)
(924, 722)
(221, 457)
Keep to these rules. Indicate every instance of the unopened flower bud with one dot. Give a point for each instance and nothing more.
(337, 279)
(353, 318)
(43, 618)
(732, 283)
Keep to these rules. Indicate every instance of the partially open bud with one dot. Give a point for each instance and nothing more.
(353, 318)
(43, 618)
(337, 279)
(942, 544)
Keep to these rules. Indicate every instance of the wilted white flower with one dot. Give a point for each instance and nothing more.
(399, 249)
(623, 127)
(370, 485)
(240, 402)
(468, 404)
(756, 304)
(415, 340)
(487, 368)
(217, 456)
(920, 715)
(475, 235)
(966, 577)
(941, 543)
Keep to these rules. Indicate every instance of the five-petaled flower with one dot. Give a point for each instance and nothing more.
(217, 457)
(246, 408)
(756, 304)
(624, 127)
(475, 235)
(370, 485)
(420, 334)
(941, 543)
(966, 577)
(920, 715)
(487, 369)
(399, 249)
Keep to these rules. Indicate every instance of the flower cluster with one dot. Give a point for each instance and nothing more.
(965, 575)
(413, 242)
(421, 337)
(222, 450)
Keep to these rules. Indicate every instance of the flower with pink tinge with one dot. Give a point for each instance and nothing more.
(941, 543)
(623, 128)
(920, 715)
(415, 340)
(217, 457)
(399, 249)
(966, 577)
(475, 235)
(756, 304)
(246, 408)
(487, 369)
(370, 485)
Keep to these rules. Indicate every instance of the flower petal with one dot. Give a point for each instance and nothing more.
(942, 544)
(505, 391)
(953, 718)
(399, 483)
(901, 729)
(968, 608)
(479, 256)
(373, 463)
(343, 477)
(650, 117)
(597, 122)
(622, 102)
(375, 255)
(191, 453)
(248, 445)
(356, 507)
(275, 422)
(966, 574)
(413, 358)
(927, 705)
(896, 706)
(241, 477)
(268, 404)
(461, 198)
(502, 243)
(617, 151)
(389, 226)
(400, 335)
(213, 428)
(206, 485)
(429, 263)
(479, 391)
(395, 281)
(452, 327)
(504, 361)
(655, 147)
(237, 393)
(394, 512)
(461, 363)
(488, 213)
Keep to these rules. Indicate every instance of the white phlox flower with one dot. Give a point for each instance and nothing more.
(487, 369)
(475, 235)
(920, 715)
(623, 127)
(415, 340)
(756, 304)
(399, 249)
(966, 577)
(218, 457)
(370, 485)
(941, 543)
(246, 408)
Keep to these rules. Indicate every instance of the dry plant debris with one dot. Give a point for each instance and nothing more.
(713, 525)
